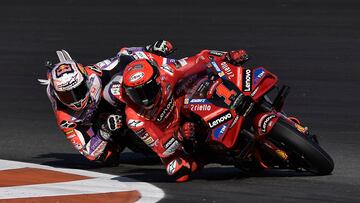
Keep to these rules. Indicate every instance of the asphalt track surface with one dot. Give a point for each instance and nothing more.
(313, 46)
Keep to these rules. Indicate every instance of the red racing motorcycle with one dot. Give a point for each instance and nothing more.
(238, 123)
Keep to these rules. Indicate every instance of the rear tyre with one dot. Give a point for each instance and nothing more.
(303, 152)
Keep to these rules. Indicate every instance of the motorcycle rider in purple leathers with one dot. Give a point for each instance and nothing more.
(77, 95)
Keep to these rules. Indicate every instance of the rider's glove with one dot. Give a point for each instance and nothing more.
(238, 57)
(104, 132)
(161, 48)
(187, 131)
(114, 122)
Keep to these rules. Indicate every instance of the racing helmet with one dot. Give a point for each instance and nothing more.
(141, 82)
(68, 79)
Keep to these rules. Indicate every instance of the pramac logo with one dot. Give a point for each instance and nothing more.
(136, 76)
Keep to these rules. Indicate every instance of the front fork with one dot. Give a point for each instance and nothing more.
(264, 122)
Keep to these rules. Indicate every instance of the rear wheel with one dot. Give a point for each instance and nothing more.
(303, 152)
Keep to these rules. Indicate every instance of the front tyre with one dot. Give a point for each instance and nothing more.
(303, 152)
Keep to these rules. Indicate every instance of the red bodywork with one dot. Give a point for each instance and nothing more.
(217, 108)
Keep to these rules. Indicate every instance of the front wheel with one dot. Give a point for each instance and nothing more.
(302, 151)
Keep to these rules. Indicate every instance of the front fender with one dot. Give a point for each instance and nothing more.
(264, 122)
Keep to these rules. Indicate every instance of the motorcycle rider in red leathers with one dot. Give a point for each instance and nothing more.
(82, 113)
(153, 106)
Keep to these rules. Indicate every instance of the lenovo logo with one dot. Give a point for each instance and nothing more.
(220, 119)
(247, 80)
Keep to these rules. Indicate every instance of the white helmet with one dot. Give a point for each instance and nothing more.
(69, 81)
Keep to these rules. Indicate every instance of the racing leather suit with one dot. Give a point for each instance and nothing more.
(83, 128)
(159, 127)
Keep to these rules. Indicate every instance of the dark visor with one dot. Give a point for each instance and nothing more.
(144, 94)
(75, 95)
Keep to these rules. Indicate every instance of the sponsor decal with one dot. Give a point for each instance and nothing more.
(182, 61)
(101, 65)
(247, 80)
(137, 67)
(186, 101)
(198, 101)
(96, 141)
(266, 122)
(249, 109)
(149, 140)
(136, 76)
(140, 132)
(115, 89)
(62, 69)
(146, 138)
(215, 66)
(170, 169)
(254, 92)
(169, 143)
(300, 128)
(96, 69)
(258, 74)
(217, 69)
(167, 69)
(227, 70)
(166, 111)
(234, 121)
(171, 146)
(140, 55)
(219, 132)
(135, 123)
(67, 124)
(200, 89)
(200, 107)
(237, 101)
(220, 119)
(216, 53)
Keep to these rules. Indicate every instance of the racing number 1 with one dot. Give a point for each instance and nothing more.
(223, 91)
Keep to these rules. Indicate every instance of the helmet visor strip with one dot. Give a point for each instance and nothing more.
(75, 95)
(144, 94)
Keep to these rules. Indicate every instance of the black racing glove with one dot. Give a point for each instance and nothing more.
(161, 48)
(113, 122)
(237, 57)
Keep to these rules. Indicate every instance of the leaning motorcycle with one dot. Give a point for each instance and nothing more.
(240, 125)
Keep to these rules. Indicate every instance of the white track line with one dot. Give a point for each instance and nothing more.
(99, 183)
